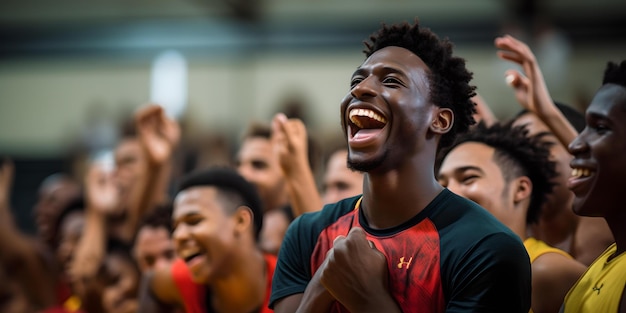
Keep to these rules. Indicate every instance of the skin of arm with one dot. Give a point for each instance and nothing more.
(530, 90)
(20, 256)
(159, 136)
(553, 276)
(102, 197)
(315, 298)
(289, 139)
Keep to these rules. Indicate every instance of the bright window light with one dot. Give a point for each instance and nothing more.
(169, 82)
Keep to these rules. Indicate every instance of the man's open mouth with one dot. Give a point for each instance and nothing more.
(364, 119)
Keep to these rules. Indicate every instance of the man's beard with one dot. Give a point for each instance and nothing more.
(367, 166)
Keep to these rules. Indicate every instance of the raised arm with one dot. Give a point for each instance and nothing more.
(289, 139)
(530, 87)
(20, 257)
(102, 199)
(159, 136)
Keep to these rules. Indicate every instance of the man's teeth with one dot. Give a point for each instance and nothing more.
(185, 254)
(581, 172)
(365, 113)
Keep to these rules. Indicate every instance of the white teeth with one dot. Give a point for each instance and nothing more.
(364, 112)
(187, 253)
(581, 172)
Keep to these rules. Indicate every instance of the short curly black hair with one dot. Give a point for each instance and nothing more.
(160, 216)
(615, 74)
(517, 154)
(233, 191)
(449, 78)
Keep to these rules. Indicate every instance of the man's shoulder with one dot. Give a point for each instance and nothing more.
(329, 214)
(462, 222)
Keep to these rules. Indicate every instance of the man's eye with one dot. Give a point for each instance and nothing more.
(259, 165)
(355, 81)
(469, 179)
(193, 221)
(600, 128)
(392, 80)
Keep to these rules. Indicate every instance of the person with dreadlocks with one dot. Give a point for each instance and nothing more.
(510, 174)
(407, 244)
(598, 169)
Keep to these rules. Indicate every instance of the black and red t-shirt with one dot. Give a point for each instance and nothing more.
(451, 257)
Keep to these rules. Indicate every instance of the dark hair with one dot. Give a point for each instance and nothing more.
(75, 205)
(160, 216)
(574, 117)
(615, 74)
(448, 77)
(117, 247)
(517, 154)
(233, 191)
(257, 129)
(114, 245)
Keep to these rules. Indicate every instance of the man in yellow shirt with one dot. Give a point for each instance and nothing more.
(598, 169)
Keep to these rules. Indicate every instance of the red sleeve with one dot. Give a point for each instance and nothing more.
(271, 265)
(192, 294)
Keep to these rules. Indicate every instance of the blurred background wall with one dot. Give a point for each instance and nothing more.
(72, 72)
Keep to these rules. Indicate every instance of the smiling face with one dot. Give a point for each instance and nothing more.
(599, 166)
(470, 170)
(129, 159)
(387, 108)
(257, 164)
(154, 248)
(205, 235)
(54, 195)
(70, 232)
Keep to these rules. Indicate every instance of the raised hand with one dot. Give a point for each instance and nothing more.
(290, 145)
(530, 87)
(289, 139)
(158, 134)
(102, 193)
(356, 274)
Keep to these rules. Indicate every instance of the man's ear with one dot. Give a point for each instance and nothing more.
(523, 189)
(243, 220)
(443, 121)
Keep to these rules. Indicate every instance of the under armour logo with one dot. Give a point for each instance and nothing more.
(403, 263)
(596, 288)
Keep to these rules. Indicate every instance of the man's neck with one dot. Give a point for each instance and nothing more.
(392, 198)
(557, 230)
(245, 289)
